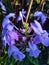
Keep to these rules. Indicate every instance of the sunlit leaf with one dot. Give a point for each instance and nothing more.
(38, 1)
(17, 3)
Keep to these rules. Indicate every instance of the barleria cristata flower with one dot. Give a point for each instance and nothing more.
(39, 15)
(33, 50)
(42, 34)
(21, 15)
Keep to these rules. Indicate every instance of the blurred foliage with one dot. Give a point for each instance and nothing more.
(28, 61)
(44, 57)
(8, 5)
(38, 1)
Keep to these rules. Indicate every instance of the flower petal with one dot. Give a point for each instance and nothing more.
(35, 29)
(45, 39)
(10, 15)
(39, 14)
(14, 51)
(20, 56)
(13, 34)
(2, 6)
(23, 12)
(5, 22)
(36, 40)
(33, 50)
(39, 26)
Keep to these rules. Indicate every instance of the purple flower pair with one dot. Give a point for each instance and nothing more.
(9, 35)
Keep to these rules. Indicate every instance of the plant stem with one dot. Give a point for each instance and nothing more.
(40, 5)
(29, 10)
(42, 1)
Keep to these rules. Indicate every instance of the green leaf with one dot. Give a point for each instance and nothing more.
(10, 61)
(33, 60)
(38, 1)
(0, 13)
(48, 61)
(31, 15)
(17, 3)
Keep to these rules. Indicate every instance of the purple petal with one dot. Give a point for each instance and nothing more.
(10, 15)
(20, 56)
(10, 27)
(39, 26)
(4, 41)
(35, 53)
(13, 34)
(40, 14)
(45, 39)
(14, 51)
(35, 28)
(19, 18)
(21, 15)
(43, 18)
(27, 49)
(4, 32)
(9, 51)
(9, 40)
(5, 22)
(33, 50)
(36, 40)
(2, 6)
(23, 12)
(23, 39)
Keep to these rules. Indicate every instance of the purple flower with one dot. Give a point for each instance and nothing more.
(29, 29)
(37, 27)
(24, 39)
(6, 20)
(3, 7)
(22, 30)
(9, 27)
(10, 37)
(10, 15)
(13, 34)
(36, 40)
(6, 38)
(33, 50)
(21, 15)
(39, 14)
(42, 34)
(14, 51)
(23, 12)
(44, 38)
(4, 41)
